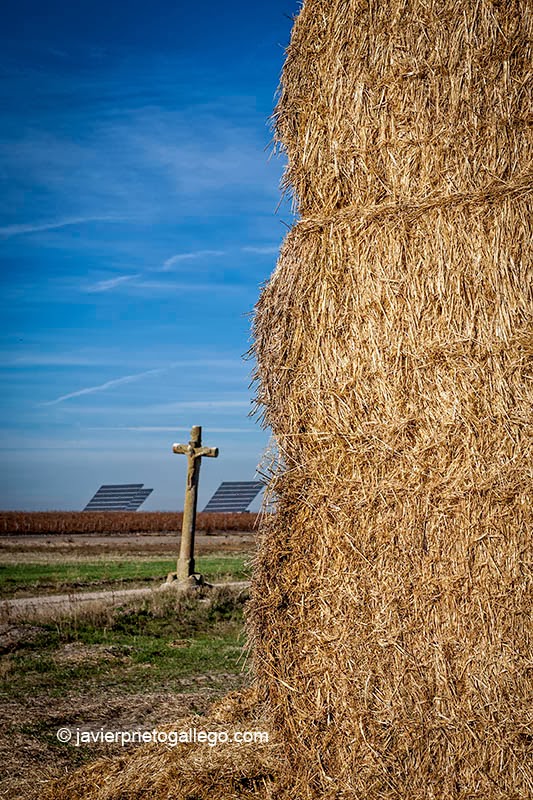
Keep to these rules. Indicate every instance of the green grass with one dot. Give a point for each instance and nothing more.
(32, 578)
(144, 648)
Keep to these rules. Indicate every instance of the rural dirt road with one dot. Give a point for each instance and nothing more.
(45, 606)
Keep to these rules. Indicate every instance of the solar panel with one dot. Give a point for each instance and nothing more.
(118, 497)
(234, 496)
(139, 499)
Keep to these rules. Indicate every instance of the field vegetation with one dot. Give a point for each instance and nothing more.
(18, 579)
(141, 663)
(53, 522)
(176, 636)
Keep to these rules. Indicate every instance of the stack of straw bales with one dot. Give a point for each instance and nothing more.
(390, 615)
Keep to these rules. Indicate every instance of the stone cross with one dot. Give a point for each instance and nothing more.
(194, 452)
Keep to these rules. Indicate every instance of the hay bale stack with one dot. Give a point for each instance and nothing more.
(390, 612)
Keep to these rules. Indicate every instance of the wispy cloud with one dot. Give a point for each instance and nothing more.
(112, 283)
(191, 256)
(164, 287)
(170, 407)
(214, 404)
(101, 387)
(262, 250)
(143, 283)
(108, 357)
(168, 429)
(35, 227)
(196, 255)
(163, 162)
(51, 360)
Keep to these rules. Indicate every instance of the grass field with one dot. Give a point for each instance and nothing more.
(24, 579)
(145, 647)
(136, 665)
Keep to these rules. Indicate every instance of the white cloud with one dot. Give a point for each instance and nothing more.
(158, 287)
(225, 363)
(141, 283)
(34, 227)
(50, 360)
(202, 404)
(107, 357)
(266, 250)
(169, 429)
(105, 286)
(195, 254)
(145, 162)
(165, 286)
(107, 385)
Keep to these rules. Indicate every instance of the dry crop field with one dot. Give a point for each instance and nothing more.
(118, 522)
(138, 664)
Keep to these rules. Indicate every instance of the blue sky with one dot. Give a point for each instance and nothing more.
(138, 220)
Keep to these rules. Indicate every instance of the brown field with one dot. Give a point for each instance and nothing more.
(73, 522)
(38, 548)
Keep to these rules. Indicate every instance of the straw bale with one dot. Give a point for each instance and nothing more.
(390, 617)
(398, 100)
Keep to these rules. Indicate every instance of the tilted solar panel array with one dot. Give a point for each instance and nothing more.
(141, 497)
(118, 497)
(234, 496)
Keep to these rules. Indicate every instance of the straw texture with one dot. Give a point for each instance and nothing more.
(390, 619)
(185, 772)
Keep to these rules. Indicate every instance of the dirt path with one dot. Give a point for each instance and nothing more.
(47, 605)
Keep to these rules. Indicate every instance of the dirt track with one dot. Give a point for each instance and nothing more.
(47, 605)
(78, 548)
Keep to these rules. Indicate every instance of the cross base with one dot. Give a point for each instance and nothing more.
(185, 568)
(193, 581)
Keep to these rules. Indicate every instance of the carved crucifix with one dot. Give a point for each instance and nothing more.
(194, 452)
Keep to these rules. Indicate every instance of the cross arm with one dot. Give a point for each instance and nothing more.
(195, 452)
(211, 452)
